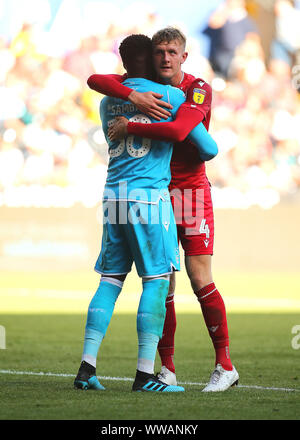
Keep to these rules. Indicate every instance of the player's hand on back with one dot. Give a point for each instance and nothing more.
(118, 129)
(151, 104)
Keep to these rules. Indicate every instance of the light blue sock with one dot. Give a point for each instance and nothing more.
(147, 351)
(99, 315)
(150, 321)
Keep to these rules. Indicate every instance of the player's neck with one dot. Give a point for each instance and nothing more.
(138, 75)
(175, 81)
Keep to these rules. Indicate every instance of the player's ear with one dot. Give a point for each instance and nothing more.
(184, 57)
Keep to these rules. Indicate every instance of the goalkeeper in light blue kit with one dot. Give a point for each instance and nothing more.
(138, 223)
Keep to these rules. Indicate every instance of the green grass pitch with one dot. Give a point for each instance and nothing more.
(44, 317)
(261, 349)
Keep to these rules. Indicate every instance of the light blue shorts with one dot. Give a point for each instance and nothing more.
(138, 232)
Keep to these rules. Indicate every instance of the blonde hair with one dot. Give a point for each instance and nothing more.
(168, 34)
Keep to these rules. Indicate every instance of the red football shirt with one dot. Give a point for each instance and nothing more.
(187, 169)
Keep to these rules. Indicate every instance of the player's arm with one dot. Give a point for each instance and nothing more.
(205, 144)
(147, 102)
(109, 85)
(185, 125)
(188, 123)
(191, 113)
(199, 97)
(174, 131)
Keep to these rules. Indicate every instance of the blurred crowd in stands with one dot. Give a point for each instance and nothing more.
(53, 152)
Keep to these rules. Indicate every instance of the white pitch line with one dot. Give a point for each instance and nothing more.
(129, 379)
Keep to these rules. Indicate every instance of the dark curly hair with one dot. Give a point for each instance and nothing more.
(136, 52)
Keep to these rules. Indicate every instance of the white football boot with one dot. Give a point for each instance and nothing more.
(167, 376)
(221, 379)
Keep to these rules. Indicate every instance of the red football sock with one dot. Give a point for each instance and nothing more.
(214, 314)
(166, 344)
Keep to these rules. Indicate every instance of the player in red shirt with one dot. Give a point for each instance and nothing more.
(188, 173)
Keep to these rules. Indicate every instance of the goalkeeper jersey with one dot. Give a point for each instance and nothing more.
(139, 168)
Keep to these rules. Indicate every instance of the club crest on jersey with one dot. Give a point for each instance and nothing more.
(198, 96)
